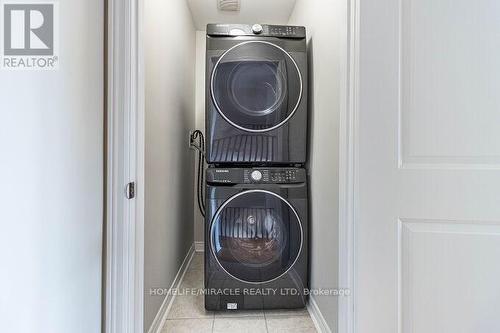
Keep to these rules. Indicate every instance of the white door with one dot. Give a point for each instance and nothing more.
(428, 155)
(51, 167)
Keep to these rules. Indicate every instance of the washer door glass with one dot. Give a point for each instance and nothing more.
(256, 236)
(256, 86)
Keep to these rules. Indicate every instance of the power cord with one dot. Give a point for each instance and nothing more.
(198, 136)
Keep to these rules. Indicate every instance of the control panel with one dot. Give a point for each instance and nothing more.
(283, 30)
(275, 175)
(284, 176)
(262, 30)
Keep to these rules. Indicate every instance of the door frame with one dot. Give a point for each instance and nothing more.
(124, 220)
(348, 166)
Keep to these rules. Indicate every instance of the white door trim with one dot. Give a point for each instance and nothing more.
(348, 167)
(125, 141)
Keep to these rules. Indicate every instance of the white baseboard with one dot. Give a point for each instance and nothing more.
(316, 316)
(161, 316)
(199, 246)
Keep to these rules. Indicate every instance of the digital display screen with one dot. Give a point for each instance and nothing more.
(282, 30)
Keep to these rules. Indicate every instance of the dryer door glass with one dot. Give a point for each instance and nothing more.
(256, 236)
(256, 86)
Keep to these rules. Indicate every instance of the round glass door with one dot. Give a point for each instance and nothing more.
(256, 86)
(256, 236)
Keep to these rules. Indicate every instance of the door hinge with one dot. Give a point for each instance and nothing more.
(130, 190)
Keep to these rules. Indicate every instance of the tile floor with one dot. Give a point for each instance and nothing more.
(188, 314)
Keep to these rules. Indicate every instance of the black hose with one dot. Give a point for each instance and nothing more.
(198, 135)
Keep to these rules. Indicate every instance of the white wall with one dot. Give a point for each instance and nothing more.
(170, 114)
(323, 20)
(199, 222)
(51, 165)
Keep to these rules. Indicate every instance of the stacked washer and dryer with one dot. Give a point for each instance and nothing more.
(256, 224)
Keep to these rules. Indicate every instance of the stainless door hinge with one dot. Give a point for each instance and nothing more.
(130, 190)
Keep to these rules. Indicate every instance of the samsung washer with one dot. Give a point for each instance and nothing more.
(256, 238)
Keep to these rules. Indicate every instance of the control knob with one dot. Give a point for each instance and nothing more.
(256, 175)
(257, 29)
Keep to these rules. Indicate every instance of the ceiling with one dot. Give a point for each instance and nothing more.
(252, 11)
